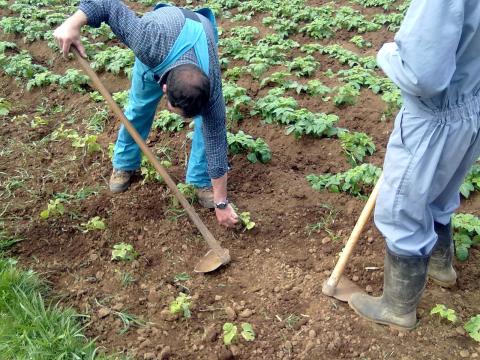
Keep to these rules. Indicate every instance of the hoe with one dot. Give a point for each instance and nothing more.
(216, 256)
(338, 286)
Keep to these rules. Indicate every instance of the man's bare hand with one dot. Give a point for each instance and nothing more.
(227, 217)
(68, 34)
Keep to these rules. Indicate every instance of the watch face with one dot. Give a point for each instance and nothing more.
(221, 205)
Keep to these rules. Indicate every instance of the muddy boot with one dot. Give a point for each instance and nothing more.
(205, 197)
(120, 180)
(440, 268)
(404, 281)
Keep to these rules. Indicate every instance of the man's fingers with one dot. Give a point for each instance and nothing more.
(80, 48)
(65, 48)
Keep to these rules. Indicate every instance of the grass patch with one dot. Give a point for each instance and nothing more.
(32, 327)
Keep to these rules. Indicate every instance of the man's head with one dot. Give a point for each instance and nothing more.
(188, 90)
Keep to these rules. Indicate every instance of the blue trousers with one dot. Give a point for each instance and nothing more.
(145, 94)
(428, 156)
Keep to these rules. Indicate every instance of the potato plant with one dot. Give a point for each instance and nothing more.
(257, 150)
(466, 234)
(355, 181)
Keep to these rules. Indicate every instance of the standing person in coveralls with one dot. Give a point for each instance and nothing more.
(436, 139)
(176, 55)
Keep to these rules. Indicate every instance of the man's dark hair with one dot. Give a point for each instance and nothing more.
(188, 88)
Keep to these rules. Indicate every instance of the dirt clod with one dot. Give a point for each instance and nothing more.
(231, 314)
(103, 312)
(165, 353)
(246, 313)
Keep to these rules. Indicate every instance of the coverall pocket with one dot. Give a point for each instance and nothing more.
(413, 129)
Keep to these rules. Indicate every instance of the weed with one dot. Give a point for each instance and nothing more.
(466, 234)
(472, 327)
(181, 305)
(54, 208)
(124, 252)
(444, 312)
(95, 223)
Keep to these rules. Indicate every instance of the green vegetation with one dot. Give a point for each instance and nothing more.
(466, 234)
(444, 312)
(181, 305)
(356, 181)
(124, 252)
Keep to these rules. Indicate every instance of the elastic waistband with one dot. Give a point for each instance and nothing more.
(468, 108)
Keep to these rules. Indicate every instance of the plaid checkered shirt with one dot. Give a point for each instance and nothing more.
(151, 37)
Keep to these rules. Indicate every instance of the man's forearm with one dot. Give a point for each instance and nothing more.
(220, 189)
(78, 19)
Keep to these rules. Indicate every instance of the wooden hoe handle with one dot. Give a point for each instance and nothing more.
(330, 285)
(207, 235)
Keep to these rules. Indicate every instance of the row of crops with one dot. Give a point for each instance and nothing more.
(285, 69)
(299, 74)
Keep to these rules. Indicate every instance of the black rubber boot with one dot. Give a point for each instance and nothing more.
(440, 268)
(404, 281)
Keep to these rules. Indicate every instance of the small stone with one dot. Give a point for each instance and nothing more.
(246, 313)
(166, 315)
(218, 297)
(99, 275)
(145, 344)
(184, 247)
(149, 356)
(165, 354)
(370, 239)
(93, 257)
(464, 353)
(267, 250)
(211, 333)
(235, 350)
(257, 251)
(474, 356)
(288, 346)
(224, 354)
(231, 314)
(276, 289)
(312, 334)
(310, 345)
(369, 289)
(153, 296)
(104, 312)
(118, 307)
(460, 330)
(326, 240)
(355, 278)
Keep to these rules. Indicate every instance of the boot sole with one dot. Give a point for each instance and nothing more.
(443, 284)
(119, 189)
(393, 326)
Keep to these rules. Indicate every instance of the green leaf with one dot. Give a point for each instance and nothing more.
(124, 252)
(45, 214)
(181, 305)
(229, 333)
(472, 327)
(247, 332)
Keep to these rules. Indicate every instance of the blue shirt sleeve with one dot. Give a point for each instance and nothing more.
(139, 34)
(215, 135)
(422, 60)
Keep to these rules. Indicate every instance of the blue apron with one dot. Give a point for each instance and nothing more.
(143, 102)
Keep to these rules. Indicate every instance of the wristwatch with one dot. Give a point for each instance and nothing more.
(221, 205)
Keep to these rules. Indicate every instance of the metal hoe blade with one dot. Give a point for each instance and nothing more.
(344, 289)
(212, 260)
